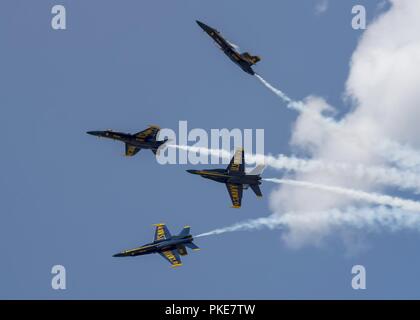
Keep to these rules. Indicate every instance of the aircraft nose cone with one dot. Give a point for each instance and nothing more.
(118, 255)
(192, 171)
(94, 133)
(202, 25)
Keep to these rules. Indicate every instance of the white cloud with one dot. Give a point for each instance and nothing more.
(321, 7)
(384, 85)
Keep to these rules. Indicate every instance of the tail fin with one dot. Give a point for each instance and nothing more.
(256, 189)
(182, 250)
(255, 59)
(161, 147)
(251, 59)
(257, 170)
(185, 232)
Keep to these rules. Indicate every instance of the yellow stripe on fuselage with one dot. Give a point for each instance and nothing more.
(207, 173)
(136, 249)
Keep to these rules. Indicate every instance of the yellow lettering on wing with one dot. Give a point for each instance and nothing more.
(234, 192)
(171, 257)
(160, 233)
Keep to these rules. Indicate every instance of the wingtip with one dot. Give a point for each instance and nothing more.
(174, 266)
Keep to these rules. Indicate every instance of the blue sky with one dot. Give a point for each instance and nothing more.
(70, 199)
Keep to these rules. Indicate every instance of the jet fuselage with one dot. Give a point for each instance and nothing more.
(157, 246)
(227, 48)
(128, 138)
(223, 176)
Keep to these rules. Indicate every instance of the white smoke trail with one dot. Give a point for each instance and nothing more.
(402, 156)
(374, 219)
(317, 116)
(357, 136)
(374, 198)
(220, 153)
(296, 105)
(382, 175)
(272, 222)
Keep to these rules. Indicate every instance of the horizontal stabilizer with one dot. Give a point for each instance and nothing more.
(256, 189)
(192, 246)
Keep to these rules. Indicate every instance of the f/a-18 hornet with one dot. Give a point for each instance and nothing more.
(145, 139)
(235, 178)
(243, 60)
(168, 246)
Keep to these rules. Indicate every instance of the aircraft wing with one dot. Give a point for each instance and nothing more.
(235, 193)
(162, 232)
(237, 164)
(131, 150)
(216, 36)
(149, 134)
(222, 42)
(172, 256)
